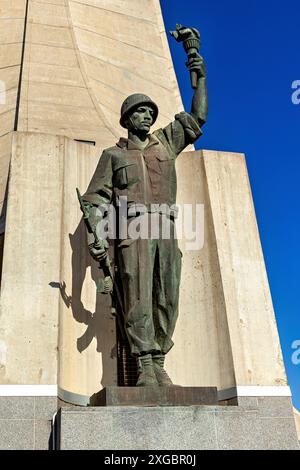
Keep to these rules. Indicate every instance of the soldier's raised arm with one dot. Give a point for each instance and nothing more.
(190, 37)
(186, 128)
(199, 109)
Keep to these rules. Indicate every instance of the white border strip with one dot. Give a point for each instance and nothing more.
(255, 391)
(52, 391)
(28, 390)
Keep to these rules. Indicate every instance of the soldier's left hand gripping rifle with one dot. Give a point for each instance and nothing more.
(106, 286)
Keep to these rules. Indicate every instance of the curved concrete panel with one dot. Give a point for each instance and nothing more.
(82, 58)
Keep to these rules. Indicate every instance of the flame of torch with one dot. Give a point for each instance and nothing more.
(190, 37)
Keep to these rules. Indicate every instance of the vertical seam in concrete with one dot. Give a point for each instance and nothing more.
(7, 214)
(62, 171)
(34, 420)
(21, 68)
(4, 202)
(280, 361)
(27, 78)
(216, 429)
(243, 354)
(219, 268)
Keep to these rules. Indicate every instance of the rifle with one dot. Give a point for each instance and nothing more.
(107, 285)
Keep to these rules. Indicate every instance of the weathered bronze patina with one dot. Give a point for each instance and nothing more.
(142, 169)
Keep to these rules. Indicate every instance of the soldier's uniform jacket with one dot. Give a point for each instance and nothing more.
(144, 176)
(149, 268)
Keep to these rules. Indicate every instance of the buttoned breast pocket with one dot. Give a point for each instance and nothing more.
(167, 165)
(125, 174)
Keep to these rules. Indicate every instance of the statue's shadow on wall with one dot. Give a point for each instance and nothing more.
(98, 322)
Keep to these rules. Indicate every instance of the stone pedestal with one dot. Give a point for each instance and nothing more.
(155, 396)
(257, 423)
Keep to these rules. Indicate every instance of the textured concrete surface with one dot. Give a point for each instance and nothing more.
(138, 428)
(259, 423)
(201, 355)
(169, 428)
(42, 435)
(50, 266)
(230, 311)
(250, 318)
(297, 420)
(45, 407)
(33, 226)
(17, 434)
(11, 39)
(87, 336)
(247, 431)
(25, 422)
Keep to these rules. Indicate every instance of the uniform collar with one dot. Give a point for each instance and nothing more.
(126, 143)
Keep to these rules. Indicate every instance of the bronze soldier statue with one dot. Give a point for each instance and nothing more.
(142, 169)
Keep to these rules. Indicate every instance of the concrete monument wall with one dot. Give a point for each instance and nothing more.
(227, 327)
(83, 58)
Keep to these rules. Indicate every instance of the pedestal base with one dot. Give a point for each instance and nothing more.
(155, 396)
(258, 423)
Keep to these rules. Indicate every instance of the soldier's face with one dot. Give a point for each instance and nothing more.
(142, 118)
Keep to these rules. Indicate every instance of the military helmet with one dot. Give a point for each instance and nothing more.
(135, 100)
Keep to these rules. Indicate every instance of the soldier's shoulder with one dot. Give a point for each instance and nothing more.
(116, 149)
(158, 133)
(109, 153)
(110, 150)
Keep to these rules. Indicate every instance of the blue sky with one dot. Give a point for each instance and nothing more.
(252, 57)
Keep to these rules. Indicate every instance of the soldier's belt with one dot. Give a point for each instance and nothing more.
(139, 209)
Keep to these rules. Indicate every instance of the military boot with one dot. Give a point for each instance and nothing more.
(146, 372)
(161, 375)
